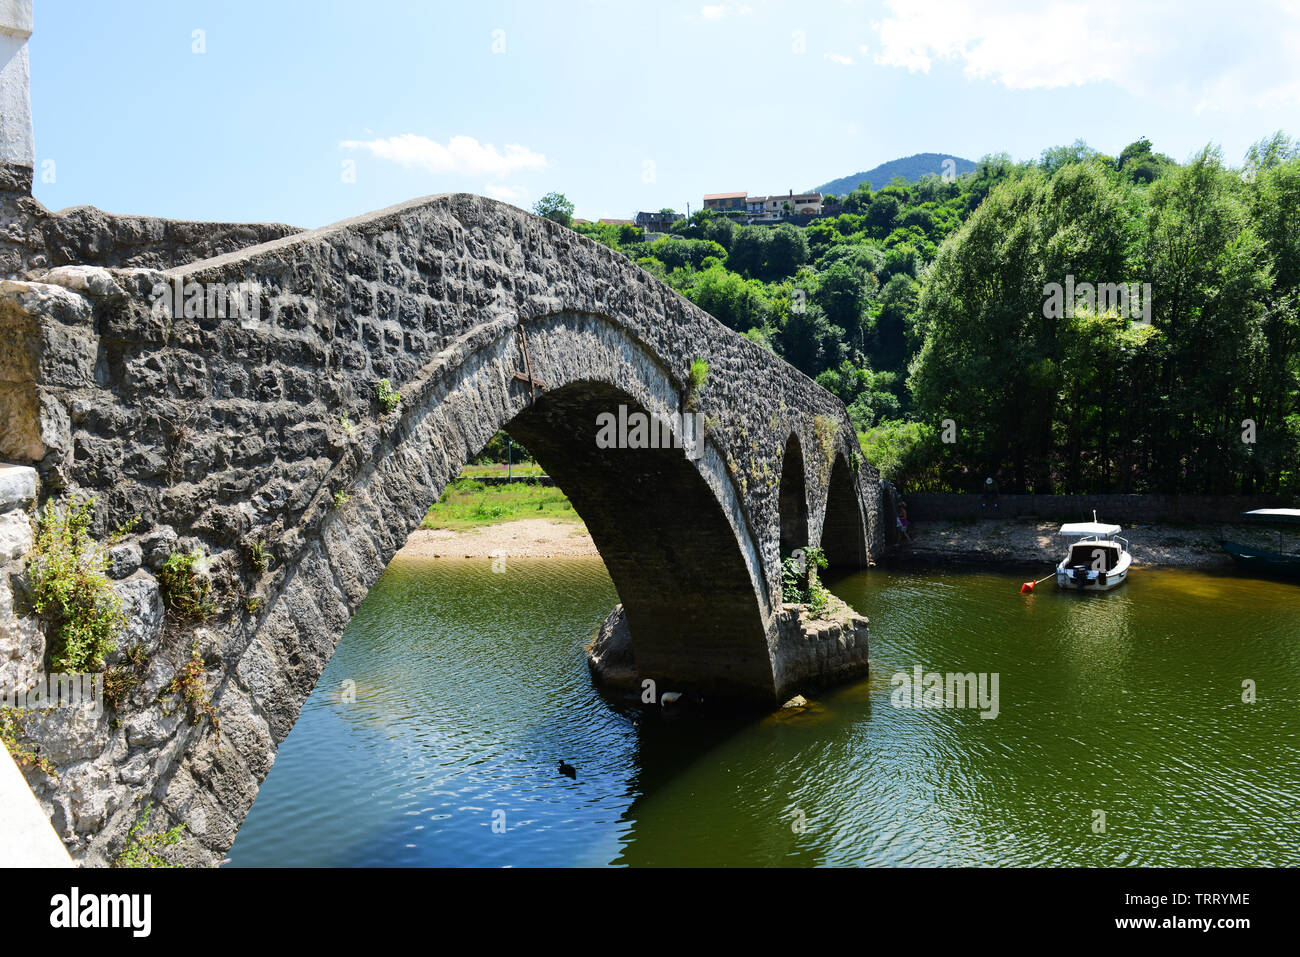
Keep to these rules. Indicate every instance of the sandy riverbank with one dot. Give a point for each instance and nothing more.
(1003, 540)
(1030, 542)
(530, 538)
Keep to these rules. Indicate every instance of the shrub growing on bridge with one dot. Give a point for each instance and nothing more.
(186, 590)
(389, 398)
(70, 590)
(800, 584)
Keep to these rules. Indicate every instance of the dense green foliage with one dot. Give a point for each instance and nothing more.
(70, 590)
(1204, 398)
(387, 397)
(924, 307)
(501, 448)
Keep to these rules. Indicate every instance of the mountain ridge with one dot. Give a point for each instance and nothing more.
(910, 168)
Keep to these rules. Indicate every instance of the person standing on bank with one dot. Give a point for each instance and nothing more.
(990, 495)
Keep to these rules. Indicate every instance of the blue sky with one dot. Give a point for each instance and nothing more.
(621, 106)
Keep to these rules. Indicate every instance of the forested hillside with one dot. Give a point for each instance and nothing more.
(928, 301)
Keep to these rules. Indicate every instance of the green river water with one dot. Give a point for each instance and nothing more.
(471, 685)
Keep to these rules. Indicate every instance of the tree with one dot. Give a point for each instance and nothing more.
(859, 199)
(735, 302)
(749, 251)
(1141, 164)
(720, 229)
(555, 207)
(881, 214)
(1089, 398)
(1054, 157)
(893, 321)
(1274, 199)
(683, 253)
(787, 251)
(841, 294)
(863, 258)
(1271, 152)
(918, 217)
(992, 169)
(821, 236)
(1207, 258)
(867, 395)
(991, 355)
(808, 341)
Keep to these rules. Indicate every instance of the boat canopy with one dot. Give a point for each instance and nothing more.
(1085, 529)
(1284, 516)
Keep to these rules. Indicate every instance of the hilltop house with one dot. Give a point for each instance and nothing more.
(657, 222)
(773, 208)
(767, 209)
(724, 202)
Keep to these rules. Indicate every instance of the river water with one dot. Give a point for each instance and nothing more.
(1121, 736)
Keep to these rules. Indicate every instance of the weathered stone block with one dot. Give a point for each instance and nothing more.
(70, 735)
(153, 727)
(15, 536)
(17, 486)
(22, 644)
(93, 282)
(142, 605)
(157, 545)
(124, 559)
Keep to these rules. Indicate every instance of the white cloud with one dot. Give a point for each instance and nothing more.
(839, 58)
(462, 154)
(507, 194)
(1021, 45)
(1213, 57)
(719, 11)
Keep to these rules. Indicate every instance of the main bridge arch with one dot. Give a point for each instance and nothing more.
(669, 523)
(216, 432)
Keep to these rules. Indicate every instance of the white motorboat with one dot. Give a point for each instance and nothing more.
(1097, 560)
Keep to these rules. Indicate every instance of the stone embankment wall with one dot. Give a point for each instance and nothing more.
(1114, 509)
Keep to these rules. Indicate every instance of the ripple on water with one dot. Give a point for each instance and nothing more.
(471, 686)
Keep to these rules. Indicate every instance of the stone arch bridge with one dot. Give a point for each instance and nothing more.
(265, 433)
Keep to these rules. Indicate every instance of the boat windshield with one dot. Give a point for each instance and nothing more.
(1087, 553)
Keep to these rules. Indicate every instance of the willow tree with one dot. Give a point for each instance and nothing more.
(992, 352)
